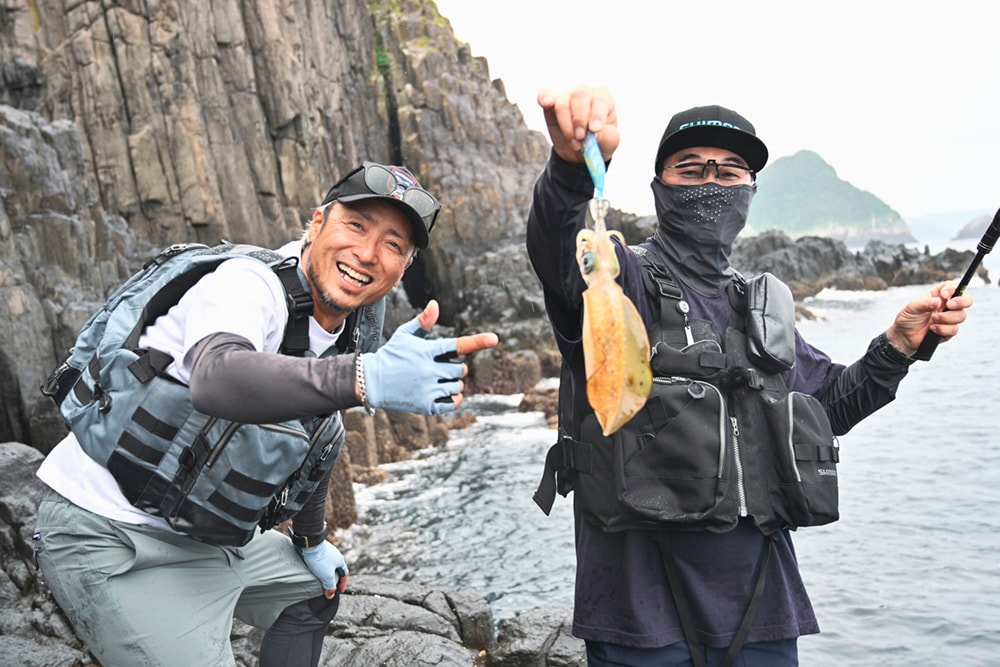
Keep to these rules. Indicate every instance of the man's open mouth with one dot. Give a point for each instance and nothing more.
(353, 277)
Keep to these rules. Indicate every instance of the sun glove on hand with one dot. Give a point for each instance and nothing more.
(326, 562)
(412, 374)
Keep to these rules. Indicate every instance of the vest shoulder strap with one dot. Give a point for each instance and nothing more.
(300, 307)
(152, 291)
(736, 290)
(660, 285)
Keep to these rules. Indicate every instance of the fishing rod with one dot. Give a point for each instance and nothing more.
(931, 340)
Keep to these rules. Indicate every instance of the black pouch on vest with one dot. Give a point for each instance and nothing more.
(770, 319)
(667, 467)
(702, 360)
(805, 456)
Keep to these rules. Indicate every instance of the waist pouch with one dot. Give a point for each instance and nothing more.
(667, 467)
(805, 461)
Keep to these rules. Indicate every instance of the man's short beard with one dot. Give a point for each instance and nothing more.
(333, 305)
(324, 296)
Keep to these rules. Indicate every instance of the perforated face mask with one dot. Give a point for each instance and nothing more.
(697, 227)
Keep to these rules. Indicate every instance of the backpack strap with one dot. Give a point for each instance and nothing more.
(736, 290)
(348, 339)
(298, 298)
(300, 307)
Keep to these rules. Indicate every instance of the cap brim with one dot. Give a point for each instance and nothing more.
(744, 144)
(420, 237)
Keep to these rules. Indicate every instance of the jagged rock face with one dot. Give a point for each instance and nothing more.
(59, 249)
(133, 126)
(208, 120)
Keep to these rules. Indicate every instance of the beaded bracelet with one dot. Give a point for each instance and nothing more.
(359, 376)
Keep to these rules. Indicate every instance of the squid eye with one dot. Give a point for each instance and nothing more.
(588, 261)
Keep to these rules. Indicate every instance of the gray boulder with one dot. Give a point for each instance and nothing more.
(539, 638)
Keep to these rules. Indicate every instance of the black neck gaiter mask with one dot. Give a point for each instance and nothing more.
(697, 227)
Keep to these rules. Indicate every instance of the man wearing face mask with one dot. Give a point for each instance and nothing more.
(706, 577)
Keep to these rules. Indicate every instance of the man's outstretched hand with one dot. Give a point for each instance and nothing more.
(413, 374)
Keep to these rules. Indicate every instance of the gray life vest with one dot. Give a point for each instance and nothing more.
(720, 436)
(208, 477)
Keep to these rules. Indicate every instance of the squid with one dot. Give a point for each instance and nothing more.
(615, 343)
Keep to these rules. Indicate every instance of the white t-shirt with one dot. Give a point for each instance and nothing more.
(242, 297)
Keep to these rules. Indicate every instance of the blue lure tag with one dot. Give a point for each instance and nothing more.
(595, 163)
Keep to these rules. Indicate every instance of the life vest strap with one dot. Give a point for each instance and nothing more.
(300, 307)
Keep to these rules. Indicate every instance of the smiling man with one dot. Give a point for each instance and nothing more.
(359, 243)
(155, 577)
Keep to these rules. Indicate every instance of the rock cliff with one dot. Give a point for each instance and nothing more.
(131, 126)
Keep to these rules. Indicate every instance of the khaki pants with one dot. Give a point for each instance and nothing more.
(138, 595)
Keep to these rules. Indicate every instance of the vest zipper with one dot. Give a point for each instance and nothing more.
(220, 445)
(328, 447)
(278, 428)
(287, 430)
(790, 442)
(282, 498)
(740, 489)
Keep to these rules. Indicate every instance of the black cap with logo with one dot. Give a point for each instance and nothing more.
(394, 184)
(712, 126)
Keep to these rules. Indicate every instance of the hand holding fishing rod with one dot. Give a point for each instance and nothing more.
(986, 243)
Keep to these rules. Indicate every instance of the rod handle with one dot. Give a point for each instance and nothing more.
(927, 347)
(931, 339)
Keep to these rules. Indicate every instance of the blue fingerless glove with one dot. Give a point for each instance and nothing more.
(326, 562)
(412, 374)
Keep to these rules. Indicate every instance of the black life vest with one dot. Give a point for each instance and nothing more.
(720, 436)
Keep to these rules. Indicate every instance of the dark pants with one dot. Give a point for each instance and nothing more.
(781, 653)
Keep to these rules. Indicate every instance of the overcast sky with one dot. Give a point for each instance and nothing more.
(901, 98)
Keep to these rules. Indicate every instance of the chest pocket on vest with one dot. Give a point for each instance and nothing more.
(668, 466)
(806, 456)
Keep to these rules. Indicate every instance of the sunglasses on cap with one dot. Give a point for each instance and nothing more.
(389, 181)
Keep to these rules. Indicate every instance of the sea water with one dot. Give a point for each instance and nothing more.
(910, 575)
